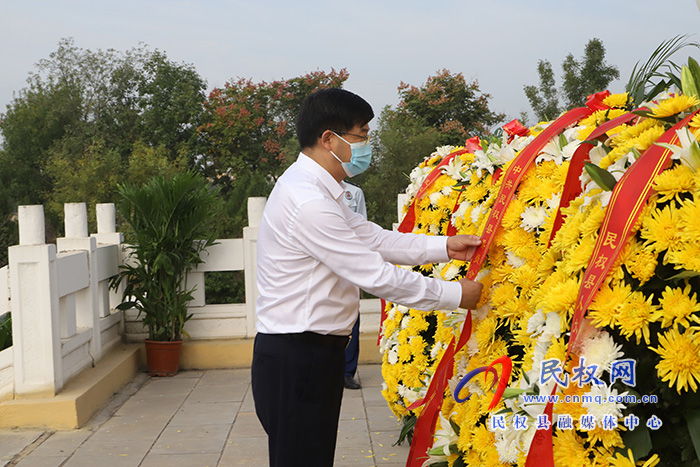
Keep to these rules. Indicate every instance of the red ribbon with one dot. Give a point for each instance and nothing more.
(595, 101)
(628, 199)
(409, 220)
(425, 425)
(572, 185)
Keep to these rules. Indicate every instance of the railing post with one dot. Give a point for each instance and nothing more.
(107, 235)
(35, 308)
(250, 244)
(86, 303)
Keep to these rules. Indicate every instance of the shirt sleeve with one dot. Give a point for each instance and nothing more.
(400, 248)
(322, 230)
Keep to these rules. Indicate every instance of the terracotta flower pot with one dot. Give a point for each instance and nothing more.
(163, 357)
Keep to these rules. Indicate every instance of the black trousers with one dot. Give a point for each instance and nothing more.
(297, 382)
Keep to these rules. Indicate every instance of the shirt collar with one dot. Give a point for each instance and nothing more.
(327, 180)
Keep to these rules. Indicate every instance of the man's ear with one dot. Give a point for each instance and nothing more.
(325, 139)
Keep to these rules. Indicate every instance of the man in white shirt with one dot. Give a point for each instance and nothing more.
(314, 254)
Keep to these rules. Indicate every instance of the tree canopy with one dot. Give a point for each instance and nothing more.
(580, 78)
(70, 135)
(444, 110)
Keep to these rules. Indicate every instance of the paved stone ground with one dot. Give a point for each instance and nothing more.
(201, 419)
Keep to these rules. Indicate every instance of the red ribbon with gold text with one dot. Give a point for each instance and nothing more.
(628, 199)
(425, 425)
(572, 186)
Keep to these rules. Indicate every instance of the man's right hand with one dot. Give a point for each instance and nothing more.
(471, 294)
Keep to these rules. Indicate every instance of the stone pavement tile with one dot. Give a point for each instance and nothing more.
(213, 393)
(184, 460)
(226, 377)
(373, 397)
(248, 402)
(247, 425)
(12, 442)
(382, 419)
(165, 386)
(41, 461)
(370, 375)
(109, 454)
(354, 456)
(352, 408)
(384, 449)
(222, 413)
(245, 451)
(191, 439)
(151, 406)
(84, 460)
(188, 374)
(130, 428)
(61, 443)
(353, 433)
(115, 448)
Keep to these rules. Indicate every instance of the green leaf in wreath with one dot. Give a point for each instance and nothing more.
(639, 441)
(602, 177)
(692, 417)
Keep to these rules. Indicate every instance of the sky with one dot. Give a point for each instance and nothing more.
(381, 43)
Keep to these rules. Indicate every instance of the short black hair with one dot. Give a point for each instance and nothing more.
(330, 109)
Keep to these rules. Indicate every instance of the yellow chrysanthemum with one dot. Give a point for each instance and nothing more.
(661, 230)
(678, 306)
(686, 256)
(617, 100)
(621, 461)
(674, 106)
(606, 305)
(671, 183)
(635, 315)
(688, 214)
(679, 363)
(642, 265)
(569, 450)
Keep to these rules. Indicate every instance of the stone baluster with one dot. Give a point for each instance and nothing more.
(35, 308)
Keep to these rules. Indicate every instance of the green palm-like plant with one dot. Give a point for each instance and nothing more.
(167, 232)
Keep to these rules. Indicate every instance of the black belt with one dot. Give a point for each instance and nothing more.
(321, 339)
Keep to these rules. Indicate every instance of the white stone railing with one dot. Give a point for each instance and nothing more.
(64, 316)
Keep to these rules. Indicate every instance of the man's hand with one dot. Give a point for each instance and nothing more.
(462, 247)
(471, 293)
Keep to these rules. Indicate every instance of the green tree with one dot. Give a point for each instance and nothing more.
(580, 79)
(444, 110)
(250, 127)
(71, 133)
(447, 103)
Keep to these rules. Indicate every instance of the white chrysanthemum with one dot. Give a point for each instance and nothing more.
(553, 202)
(514, 260)
(603, 401)
(435, 197)
(393, 355)
(535, 325)
(601, 350)
(450, 272)
(476, 213)
(533, 217)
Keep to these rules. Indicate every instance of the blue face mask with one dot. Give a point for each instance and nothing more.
(361, 156)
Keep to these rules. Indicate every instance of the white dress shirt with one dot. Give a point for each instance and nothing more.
(314, 253)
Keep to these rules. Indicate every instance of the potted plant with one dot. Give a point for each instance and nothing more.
(166, 234)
